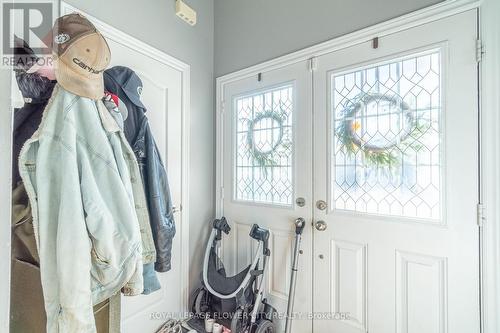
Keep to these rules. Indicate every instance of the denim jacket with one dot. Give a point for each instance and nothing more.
(88, 207)
(125, 83)
(151, 282)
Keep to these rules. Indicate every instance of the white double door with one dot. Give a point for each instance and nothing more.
(377, 149)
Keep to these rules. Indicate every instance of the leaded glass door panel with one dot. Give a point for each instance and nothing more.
(395, 161)
(266, 176)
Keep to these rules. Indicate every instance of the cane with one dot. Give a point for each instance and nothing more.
(299, 227)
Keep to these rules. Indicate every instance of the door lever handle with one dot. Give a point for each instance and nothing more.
(321, 204)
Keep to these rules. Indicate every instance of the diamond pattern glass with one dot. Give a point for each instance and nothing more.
(264, 147)
(386, 155)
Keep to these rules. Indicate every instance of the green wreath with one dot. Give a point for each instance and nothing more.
(377, 155)
(265, 158)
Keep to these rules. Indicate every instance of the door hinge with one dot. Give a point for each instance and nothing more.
(222, 105)
(479, 50)
(481, 217)
(313, 64)
(222, 192)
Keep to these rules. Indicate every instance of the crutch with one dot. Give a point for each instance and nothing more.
(299, 227)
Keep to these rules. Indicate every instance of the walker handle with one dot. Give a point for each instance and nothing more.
(300, 223)
(221, 225)
(261, 235)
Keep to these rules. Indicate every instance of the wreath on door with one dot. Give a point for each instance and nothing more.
(266, 157)
(375, 154)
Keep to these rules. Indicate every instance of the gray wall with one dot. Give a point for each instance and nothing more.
(248, 32)
(154, 22)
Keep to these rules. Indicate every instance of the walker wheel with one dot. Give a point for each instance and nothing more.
(200, 304)
(265, 326)
(240, 321)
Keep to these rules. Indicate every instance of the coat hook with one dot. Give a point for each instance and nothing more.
(375, 43)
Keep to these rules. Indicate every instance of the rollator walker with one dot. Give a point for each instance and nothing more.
(240, 298)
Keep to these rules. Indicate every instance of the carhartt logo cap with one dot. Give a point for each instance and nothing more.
(81, 54)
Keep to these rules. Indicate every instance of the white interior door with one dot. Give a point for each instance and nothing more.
(266, 168)
(162, 96)
(396, 163)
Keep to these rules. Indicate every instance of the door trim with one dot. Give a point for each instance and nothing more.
(5, 195)
(490, 124)
(489, 69)
(160, 56)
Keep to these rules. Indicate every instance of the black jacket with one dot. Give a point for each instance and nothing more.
(125, 83)
(36, 91)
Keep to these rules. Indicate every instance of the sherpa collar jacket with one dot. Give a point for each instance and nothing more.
(36, 91)
(88, 208)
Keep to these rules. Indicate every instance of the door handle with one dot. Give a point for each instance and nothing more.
(321, 204)
(320, 225)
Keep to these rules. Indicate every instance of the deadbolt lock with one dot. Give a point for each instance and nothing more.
(321, 204)
(301, 202)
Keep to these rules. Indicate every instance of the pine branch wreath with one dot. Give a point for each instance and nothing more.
(266, 158)
(377, 155)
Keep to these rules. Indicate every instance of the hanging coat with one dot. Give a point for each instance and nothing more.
(36, 91)
(88, 210)
(125, 83)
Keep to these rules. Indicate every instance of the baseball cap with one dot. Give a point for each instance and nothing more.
(121, 78)
(81, 54)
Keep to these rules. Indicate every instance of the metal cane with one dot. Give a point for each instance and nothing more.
(299, 227)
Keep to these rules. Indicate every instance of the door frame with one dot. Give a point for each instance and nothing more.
(489, 157)
(6, 151)
(489, 99)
